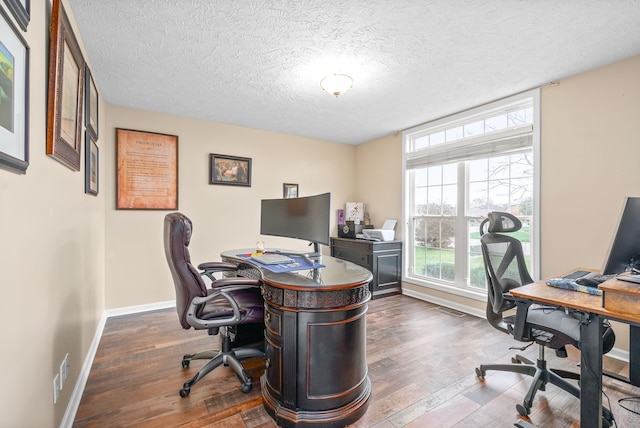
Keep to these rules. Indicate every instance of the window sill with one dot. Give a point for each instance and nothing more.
(479, 296)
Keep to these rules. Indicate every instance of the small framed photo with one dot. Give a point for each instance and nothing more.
(289, 190)
(229, 170)
(14, 97)
(90, 104)
(90, 165)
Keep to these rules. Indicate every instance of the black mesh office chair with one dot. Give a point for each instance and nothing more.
(232, 307)
(549, 327)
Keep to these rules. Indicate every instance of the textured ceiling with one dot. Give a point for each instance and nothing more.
(258, 63)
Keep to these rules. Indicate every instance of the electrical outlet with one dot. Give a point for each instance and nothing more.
(62, 374)
(64, 371)
(56, 388)
(66, 367)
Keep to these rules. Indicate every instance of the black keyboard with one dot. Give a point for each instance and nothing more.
(577, 274)
(590, 275)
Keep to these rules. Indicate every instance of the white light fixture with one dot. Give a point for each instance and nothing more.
(336, 84)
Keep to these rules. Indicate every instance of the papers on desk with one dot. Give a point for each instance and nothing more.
(297, 263)
(570, 284)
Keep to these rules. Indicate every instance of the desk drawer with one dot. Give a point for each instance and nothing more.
(273, 322)
(352, 255)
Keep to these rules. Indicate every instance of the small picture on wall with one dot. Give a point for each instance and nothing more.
(229, 170)
(289, 190)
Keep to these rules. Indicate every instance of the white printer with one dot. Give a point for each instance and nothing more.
(387, 233)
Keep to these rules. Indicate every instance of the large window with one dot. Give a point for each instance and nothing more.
(456, 171)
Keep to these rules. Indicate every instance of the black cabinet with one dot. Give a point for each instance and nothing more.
(383, 259)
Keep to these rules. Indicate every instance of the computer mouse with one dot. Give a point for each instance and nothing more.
(588, 282)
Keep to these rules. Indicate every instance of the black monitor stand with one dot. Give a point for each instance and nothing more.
(317, 254)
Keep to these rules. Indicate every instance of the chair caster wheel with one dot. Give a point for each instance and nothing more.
(186, 359)
(479, 373)
(522, 411)
(247, 387)
(184, 392)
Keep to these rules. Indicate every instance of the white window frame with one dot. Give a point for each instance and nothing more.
(468, 292)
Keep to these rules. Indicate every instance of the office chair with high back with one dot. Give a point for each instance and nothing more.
(229, 307)
(549, 327)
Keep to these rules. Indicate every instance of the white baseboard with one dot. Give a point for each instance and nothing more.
(78, 389)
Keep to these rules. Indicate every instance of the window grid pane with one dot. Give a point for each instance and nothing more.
(498, 182)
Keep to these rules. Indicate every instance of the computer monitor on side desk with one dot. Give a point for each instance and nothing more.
(625, 246)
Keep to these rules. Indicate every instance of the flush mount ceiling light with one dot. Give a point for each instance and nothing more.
(336, 84)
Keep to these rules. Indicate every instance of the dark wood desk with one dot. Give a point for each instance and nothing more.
(315, 322)
(591, 340)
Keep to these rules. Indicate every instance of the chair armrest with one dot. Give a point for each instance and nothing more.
(210, 268)
(520, 332)
(236, 281)
(222, 288)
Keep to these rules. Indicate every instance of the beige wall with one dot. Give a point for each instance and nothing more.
(590, 152)
(379, 179)
(224, 217)
(51, 263)
(66, 257)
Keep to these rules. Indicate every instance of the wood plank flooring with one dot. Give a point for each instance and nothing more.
(421, 360)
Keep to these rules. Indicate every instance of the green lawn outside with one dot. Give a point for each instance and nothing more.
(445, 260)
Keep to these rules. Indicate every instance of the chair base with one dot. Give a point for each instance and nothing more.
(541, 376)
(228, 356)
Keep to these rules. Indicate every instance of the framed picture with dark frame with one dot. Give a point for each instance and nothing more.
(91, 159)
(14, 96)
(229, 170)
(289, 190)
(65, 98)
(146, 170)
(21, 10)
(90, 104)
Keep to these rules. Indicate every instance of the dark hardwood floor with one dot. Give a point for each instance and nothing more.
(421, 359)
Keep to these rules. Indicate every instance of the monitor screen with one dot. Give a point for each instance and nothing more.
(626, 240)
(305, 218)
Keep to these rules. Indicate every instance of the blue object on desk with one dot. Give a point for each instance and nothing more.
(571, 284)
(298, 263)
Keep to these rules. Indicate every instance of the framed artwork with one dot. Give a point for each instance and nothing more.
(355, 211)
(21, 11)
(147, 170)
(90, 165)
(14, 97)
(66, 77)
(289, 190)
(90, 104)
(230, 170)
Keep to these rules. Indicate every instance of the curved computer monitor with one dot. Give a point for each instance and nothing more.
(626, 241)
(306, 218)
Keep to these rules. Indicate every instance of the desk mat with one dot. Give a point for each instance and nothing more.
(570, 284)
(298, 264)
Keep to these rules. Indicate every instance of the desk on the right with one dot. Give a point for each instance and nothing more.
(591, 337)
